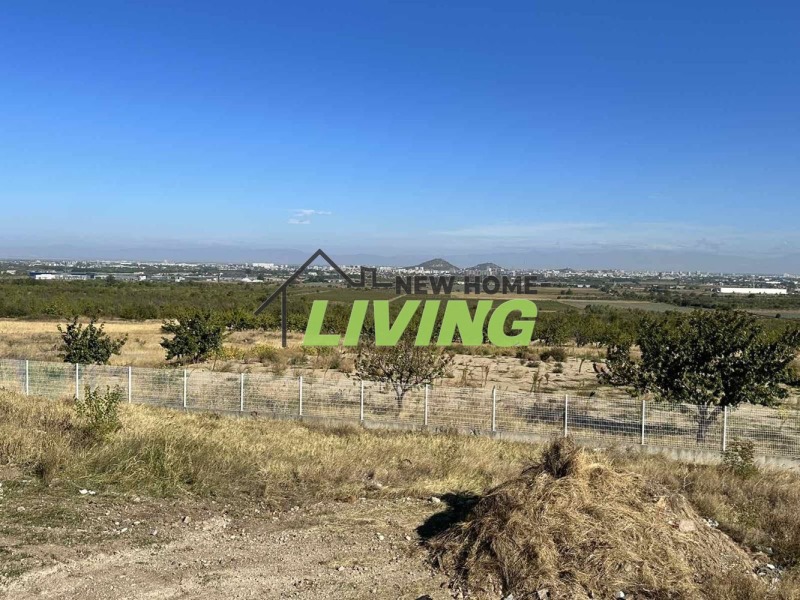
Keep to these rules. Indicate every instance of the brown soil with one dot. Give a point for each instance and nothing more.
(367, 548)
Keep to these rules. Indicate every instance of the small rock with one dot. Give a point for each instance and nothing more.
(340, 568)
(186, 519)
(408, 538)
(435, 500)
(543, 594)
(620, 595)
(380, 537)
(20, 509)
(685, 526)
(154, 532)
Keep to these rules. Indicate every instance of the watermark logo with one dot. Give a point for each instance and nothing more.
(509, 323)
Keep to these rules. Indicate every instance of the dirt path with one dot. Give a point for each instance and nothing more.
(365, 549)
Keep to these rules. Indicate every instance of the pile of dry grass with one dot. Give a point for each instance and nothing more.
(574, 527)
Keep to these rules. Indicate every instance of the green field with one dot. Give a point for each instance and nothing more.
(626, 305)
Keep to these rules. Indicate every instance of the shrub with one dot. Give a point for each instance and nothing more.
(557, 354)
(740, 457)
(266, 354)
(99, 410)
(195, 338)
(88, 345)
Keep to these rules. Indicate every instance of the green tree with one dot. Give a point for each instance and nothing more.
(88, 345)
(710, 359)
(403, 366)
(552, 328)
(196, 337)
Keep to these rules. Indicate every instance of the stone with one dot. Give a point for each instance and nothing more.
(686, 526)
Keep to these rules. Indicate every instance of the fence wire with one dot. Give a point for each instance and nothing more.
(775, 432)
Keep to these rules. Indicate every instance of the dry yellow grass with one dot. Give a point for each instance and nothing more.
(39, 340)
(165, 452)
(259, 351)
(161, 453)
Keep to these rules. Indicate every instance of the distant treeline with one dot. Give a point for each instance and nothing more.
(123, 300)
(234, 305)
(717, 300)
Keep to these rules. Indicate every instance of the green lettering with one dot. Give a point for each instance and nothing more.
(314, 335)
(496, 330)
(457, 315)
(386, 334)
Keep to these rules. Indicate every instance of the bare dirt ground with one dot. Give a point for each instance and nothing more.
(160, 550)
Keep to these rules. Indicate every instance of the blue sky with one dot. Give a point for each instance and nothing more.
(403, 128)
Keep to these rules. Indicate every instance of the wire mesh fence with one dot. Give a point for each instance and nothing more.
(775, 432)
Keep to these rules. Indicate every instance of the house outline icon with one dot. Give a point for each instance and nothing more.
(352, 283)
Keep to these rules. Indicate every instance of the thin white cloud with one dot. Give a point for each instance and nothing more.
(719, 239)
(301, 216)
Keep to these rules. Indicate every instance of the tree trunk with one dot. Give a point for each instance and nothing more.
(706, 417)
(399, 393)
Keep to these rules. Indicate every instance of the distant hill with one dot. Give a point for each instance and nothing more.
(438, 264)
(485, 267)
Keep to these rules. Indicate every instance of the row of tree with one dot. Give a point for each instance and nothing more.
(711, 359)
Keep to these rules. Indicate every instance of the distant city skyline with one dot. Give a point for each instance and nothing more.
(628, 134)
(545, 258)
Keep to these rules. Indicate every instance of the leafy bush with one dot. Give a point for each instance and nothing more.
(99, 410)
(267, 354)
(557, 354)
(740, 457)
(196, 337)
(88, 345)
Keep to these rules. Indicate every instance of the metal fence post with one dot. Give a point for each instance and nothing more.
(724, 428)
(494, 409)
(361, 403)
(77, 381)
(185, 386)
(130, 385)
(27, 379)
(301, 395)
(241, 392)
(566, 415)
(643, 423)
(425, 407)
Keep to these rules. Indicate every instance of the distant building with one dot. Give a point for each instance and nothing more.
(748, 291)
(43, 276)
